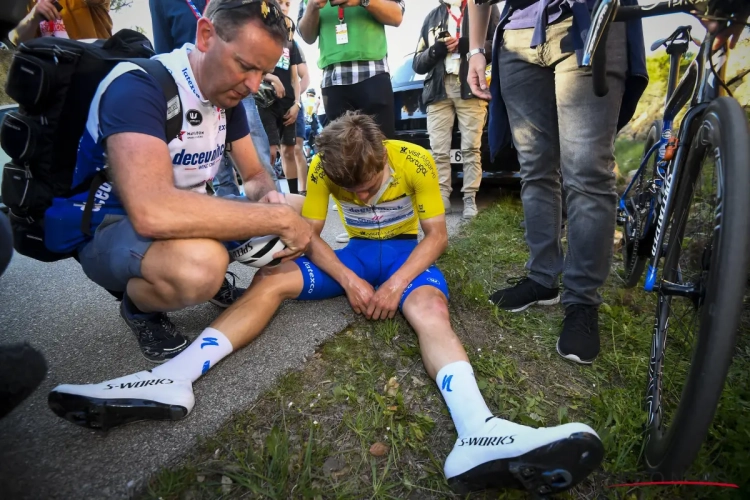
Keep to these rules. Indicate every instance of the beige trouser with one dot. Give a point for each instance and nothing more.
(472, 114)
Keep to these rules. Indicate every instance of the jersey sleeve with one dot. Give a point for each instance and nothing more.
(316, 201)
(237, 126)
(133, 102)
(424, 177)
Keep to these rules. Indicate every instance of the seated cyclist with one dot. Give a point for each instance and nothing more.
(384, 190)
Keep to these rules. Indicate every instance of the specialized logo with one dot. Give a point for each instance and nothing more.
(206, 366)
(140, 383)
(209, 341)
(194, 117)
(446, 385)
(185, 158)
(486, 441)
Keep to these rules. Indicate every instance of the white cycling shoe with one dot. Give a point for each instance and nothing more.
(506, 455)
(140, 396)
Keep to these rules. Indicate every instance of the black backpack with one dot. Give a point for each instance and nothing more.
(53, 80)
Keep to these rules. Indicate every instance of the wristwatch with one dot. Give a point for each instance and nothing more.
(480, 50)
(364, 3)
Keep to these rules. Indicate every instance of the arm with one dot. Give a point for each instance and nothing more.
(493, 22)
(291, 114)
(142, 171)
(387, 12)
(278, 87)
(256, 180)
(426, 57)
(479, 17)
(304, 76)
(29, 25)
(308, 25)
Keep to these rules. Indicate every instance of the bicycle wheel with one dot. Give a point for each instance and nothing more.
(639, 228)
(701, 292)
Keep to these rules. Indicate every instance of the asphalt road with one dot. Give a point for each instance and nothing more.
(78, 328)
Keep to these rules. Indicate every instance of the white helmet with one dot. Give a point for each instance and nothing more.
(256, 252)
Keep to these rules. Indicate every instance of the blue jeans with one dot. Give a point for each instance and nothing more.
(225, 180)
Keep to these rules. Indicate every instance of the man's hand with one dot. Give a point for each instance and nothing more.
(296, 235)
(451, 44)
(477, 78)
(45, 10)
(385, 301)
(318, 4)
(731, 32)
(345, 3)
(359, 292)
(274, 197)
(291, 114)
(278, 87)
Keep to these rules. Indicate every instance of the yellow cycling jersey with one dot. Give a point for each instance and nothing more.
(413, 192)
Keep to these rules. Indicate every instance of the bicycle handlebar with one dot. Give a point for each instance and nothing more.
(604, 14)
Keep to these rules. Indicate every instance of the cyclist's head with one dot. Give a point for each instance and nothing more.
(237, 42)
(352, 153)
(311, 92)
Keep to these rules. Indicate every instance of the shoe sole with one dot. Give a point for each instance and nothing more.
(548, 302)
(572, 357)
(104, 414)
(549, 469)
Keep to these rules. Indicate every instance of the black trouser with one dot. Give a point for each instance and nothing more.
(373, 96)
(6, 242)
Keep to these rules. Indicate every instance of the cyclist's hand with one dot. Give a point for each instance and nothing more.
(45, 10)
(477, 78)
(296, 235)
(729, 33)
(359, 292)
(384, 303)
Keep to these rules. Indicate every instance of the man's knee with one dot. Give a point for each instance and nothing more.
(191, 270)
(281, 280)
(429, 302)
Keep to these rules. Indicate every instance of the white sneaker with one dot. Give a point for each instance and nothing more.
(470, 208)
(507, 455)
(140, 396)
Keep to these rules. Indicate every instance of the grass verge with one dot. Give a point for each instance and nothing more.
(362, 420)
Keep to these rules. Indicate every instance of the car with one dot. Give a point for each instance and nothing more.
(411, 126)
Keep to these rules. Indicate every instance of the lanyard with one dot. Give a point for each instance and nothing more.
(194, 9)
(341, 15)
(457, 19)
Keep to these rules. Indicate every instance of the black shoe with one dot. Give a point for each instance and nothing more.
(228, 293)
(22, 369)
(579, 339)
(158, 337)
(524, 293)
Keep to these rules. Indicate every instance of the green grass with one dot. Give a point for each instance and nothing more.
(311, 436)
(628, 154)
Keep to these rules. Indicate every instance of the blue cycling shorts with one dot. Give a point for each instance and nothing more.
(372, 260)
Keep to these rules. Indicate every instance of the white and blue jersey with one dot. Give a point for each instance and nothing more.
(130, 100)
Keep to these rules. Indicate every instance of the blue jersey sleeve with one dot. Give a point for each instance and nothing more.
(237, 127)
(133, 102)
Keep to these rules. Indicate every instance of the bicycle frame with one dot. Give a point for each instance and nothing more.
(698, 86)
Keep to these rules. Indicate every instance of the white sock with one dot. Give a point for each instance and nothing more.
(209, 348)
(466, 404)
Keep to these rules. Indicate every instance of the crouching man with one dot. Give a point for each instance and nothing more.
(384, 190)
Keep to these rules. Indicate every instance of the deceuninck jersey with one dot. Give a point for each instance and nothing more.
(413, 193)
(130, 100)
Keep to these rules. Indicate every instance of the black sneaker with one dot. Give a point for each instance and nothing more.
(22, 369)
(158, 337)
(523, 293)
(579, 339)
(228, 293)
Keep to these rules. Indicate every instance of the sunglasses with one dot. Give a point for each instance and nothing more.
(272, 15)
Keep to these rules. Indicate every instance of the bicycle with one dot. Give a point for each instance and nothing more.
(687, 204)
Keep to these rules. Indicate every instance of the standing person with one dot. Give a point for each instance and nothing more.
(64, 19)
(447, 95)
(320, 111)
(353, 56)
(280, 116)
(559, 127)
(174, 23)
(299, 154)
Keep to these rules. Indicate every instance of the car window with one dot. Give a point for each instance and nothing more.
(404, 74)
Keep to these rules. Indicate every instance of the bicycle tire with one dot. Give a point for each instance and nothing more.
(724, 132)
(636, 248)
